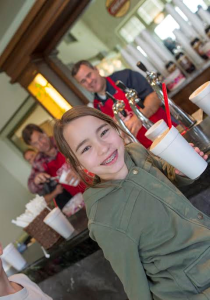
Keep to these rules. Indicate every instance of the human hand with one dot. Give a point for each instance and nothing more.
(41, 178)
(72, 178)
(201, 153)
(132, 123)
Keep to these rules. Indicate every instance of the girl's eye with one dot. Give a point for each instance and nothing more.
(104, 132)
(86, 149)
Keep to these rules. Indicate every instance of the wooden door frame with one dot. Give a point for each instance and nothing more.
(37, 37)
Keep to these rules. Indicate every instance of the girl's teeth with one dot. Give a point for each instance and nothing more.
(110, 159)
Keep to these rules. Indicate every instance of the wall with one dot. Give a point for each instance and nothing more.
(96, 31)
(14, 171)
(12, 96)
(87, 45)
(104, 25)
(12, 200)
(12, 13)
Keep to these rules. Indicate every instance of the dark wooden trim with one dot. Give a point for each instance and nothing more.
(21, 30)
(62, 25)
(39, 34)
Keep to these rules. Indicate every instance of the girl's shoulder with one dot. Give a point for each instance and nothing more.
(138, 153)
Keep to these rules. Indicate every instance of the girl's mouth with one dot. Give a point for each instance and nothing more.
(111, 159)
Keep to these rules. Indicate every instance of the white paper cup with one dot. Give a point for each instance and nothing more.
(13, 257)
(174, 149)
(201, 97)
(56, 220)
(62, 179)
(157, 129)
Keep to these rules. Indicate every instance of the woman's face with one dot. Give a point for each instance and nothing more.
(97, 146)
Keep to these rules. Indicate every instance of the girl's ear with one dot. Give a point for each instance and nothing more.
(1, 250)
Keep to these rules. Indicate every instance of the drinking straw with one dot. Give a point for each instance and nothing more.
(166, 105)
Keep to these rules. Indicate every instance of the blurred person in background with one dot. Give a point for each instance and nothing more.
(49, 163)
(57, 189)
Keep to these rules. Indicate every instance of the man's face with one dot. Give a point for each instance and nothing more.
(30, 156)
(90, 79)
(40, 141)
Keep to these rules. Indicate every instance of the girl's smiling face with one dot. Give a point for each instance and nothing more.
(97, 146)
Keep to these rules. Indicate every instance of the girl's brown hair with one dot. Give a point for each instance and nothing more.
(73, 114)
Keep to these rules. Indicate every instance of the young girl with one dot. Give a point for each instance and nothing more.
(156, 241)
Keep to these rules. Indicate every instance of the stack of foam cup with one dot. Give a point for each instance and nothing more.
(174, 149)
(201, 97)
(57, 221)
(13, 257)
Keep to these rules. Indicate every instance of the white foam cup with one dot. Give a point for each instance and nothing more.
(201, 97)
(62, 179)
(57, 221)
(174, 149)
(157, 129)
(13, 257)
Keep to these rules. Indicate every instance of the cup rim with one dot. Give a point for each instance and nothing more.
(194, 97)
(155, 126)
(157, 129)
(167, 138)
(51, 216)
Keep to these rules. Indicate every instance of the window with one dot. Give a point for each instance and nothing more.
(166, 27)
(193, 5)
(131, 29)
(181, 13)
(48, 96)
(150, 9)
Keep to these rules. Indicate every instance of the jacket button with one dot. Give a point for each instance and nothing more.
(200, 216)
(135, 172)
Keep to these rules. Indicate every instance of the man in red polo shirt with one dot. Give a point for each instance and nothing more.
(88, 76)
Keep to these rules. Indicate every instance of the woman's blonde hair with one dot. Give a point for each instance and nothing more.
(69, 116)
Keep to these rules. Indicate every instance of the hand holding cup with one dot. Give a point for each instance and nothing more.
(201, 153)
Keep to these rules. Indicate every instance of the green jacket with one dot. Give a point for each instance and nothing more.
(156, 241)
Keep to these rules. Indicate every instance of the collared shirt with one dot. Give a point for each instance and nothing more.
(39, 166)
(131, 79)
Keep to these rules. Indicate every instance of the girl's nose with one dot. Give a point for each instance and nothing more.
(102, 148)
